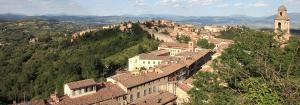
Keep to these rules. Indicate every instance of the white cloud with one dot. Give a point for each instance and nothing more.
(298, 1)
(173, 3)
(223, 5)
(140, 2)
(237, 4)
(202, 2)
(260, 3)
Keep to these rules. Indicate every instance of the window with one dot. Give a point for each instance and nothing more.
(85, 90)
(145, 92)
(154, 88)
(131, 97)
(79, 91)
(279, 25)
(138, 95)
(150, 90)
(94, 88)
(153, 62)
(148, 62)
(143, 62)
(280, 13)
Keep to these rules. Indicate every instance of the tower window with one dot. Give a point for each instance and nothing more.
(279, 25)
(280, 13)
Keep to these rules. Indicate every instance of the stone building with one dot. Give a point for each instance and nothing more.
(282, 24)
(80, 88)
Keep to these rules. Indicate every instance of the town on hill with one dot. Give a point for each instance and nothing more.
(148, 62)
(190, 65)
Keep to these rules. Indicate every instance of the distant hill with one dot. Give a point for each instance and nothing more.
(255, 22)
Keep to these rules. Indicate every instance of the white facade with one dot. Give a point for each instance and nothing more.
(78, 92)
(135, 63)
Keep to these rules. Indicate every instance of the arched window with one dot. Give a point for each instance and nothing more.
(279, 25)
(280, 13)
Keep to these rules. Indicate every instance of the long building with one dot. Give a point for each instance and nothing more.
(161, 77)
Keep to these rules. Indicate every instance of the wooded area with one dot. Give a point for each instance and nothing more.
(34, 70)
(254, 70)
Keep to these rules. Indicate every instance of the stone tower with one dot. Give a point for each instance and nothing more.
(282, 24)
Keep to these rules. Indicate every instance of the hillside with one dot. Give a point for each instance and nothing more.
(36, 69)
(252, 71)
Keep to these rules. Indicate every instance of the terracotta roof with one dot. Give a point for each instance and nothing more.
(152, 57)
(131, 80)
(173, 45)
(169, 69)
(109, 102)
(184, 87)
(155, 99)
(37, 102)
(81, 84)
(189, 81)
(159, 52)
(102, 95)
(196, 56)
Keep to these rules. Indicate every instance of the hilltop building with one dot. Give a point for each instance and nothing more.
(282, 24)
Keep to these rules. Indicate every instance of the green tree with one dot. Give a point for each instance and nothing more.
(203, 43)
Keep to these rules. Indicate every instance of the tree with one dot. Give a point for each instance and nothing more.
(203, 43)
(256, 69)
(183, 38)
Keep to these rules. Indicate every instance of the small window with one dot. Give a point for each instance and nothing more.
(148, 62)
(153, 62)
(150, 90)
(154, 88)
(131, 97)
(144, 62)
(138, 95)
(280, 13)
(145, 92)
(79, 91)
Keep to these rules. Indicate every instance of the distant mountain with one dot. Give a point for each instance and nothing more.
(256, 22)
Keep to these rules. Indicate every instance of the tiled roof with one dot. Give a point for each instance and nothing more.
(173, 45)
(155, 99)
(102, 95)
(195, 56)
(172, 68)
(184, 87)
(81, 84)
(159, 52)
(130, 80)
(152, 57)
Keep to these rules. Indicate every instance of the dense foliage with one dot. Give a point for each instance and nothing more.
(254, 70)
(183, 38)
(34, 70)
(203, 43)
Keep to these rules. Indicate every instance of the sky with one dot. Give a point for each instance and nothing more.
(256, 8)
